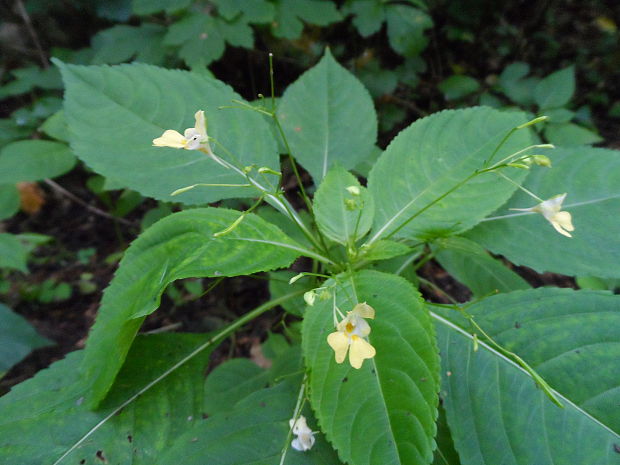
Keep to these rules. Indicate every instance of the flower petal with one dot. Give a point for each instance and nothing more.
(565, 220)
(340, 343)
(364, 310)
(360, 350)
(170, 138)
(201, 124)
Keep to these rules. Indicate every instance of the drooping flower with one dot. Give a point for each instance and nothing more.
(350, 336)
(551, 210)
(192, 139)
(305, 437)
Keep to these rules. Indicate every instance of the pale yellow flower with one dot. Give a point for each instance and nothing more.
(350, 336)
(192, 139)
(551, 210)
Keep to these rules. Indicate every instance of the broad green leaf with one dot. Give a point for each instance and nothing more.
(434, 155)
(569, 134)
(9, 200)
(114, 113)
(471, 264)
(17, 339)
(328, 117)
(369, 16)
(496, 413)
(556, 90)
(445, 454)
(45, 420)
(458, 86)
(290, 13)
(56, 127)
(390, 403)
(558, 115)
(571, 338)
(199, 37)
(147, 7)
(342, 215)
(591, 177)
(122, 43)
(405, 29)
(13, 253)
(179, 246)
(33, 160)
(253, 432)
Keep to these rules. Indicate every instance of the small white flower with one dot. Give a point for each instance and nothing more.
(305, 437)
(192, 139)
(551, 210)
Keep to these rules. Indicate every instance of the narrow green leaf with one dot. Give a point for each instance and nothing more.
(591, 177)
(17, 339)
(328, 117)
(391, 401)
(471, 264)
(33, 160)
(385, 249)
(45, 420)
(434, 155)
(179, 246)
(495, 412)
(556, 90)
(114, 113)
(343, 208)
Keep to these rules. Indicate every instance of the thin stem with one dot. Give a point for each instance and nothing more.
(519, 186)
(301, 398)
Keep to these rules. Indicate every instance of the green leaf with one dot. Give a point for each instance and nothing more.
(45, 418)
(255, 432)
(515, 85)
(341, 215)
(433, 155)
(470, 264)
(147, 7)
(405, 28)
(384, 250)
(391, 401)
(369, 16)
(558, 115)
(122, 43)
(13, 253)
(237, 33)
(30, 78)
(569, 134)
(179, 246)
(445, 454)
(457, 86)
(10, 130)
(328, 117)
(254, 11)
(9, 200)
(17, 339)
(290, 13)
(200, 39)
(121, 109)
(33, 160)
(56, 127)
(591, 177)
(496, 413)
(555, 90)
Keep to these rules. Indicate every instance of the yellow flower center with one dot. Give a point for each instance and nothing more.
(349, 328)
